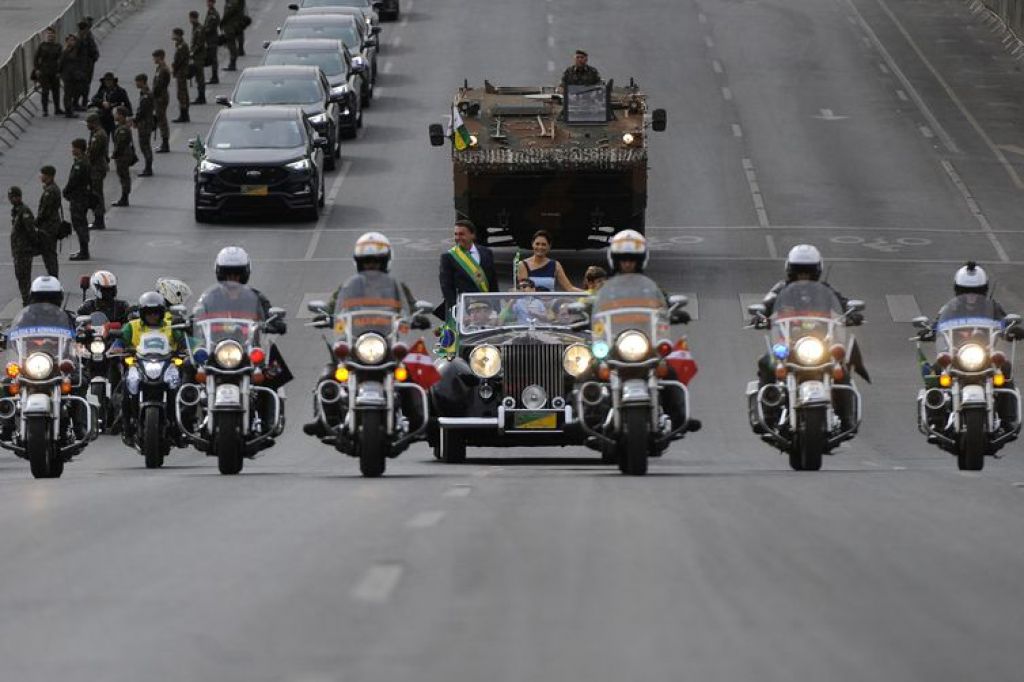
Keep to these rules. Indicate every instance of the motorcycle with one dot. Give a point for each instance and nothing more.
(41, 418)
(101, 366)
(969, 405)
(368, 408)
(151, 382)
(226, 412)
(809, 403)
(635, 397)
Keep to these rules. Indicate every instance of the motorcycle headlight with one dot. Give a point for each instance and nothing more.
(971, 357)
(318, 119)
(152, 369)
(208, 166)
(809, 351)
(370, 348)
(97, 347)
(485, 361)
(38, 366)
(300, 165)
(228, 354)
(576, 359)
(632, 346)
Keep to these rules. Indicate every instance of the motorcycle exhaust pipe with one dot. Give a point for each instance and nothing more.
(8, 408)
(772, 396)
(189, 395)
(329, 392)
(591, 393)
(934, 399)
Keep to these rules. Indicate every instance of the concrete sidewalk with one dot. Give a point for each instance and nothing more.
(20, 19)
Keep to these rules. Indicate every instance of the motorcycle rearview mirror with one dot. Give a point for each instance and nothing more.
(317, 307)
(293, 7)
(757, 309)
(658, 120)
(577, 308)
(266, 44)
(436, 134)
(424, 306)
(854, 306)
(223, 100)
(83, 282)
(278, 313)
(920, 322)
(82, 320)
(678, 300)
(179, 311)
(1012, 319)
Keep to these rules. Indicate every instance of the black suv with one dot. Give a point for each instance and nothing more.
(344, 27)
(335, 60)
(301, 86)
(259, 158)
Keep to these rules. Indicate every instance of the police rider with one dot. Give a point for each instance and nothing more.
(233, 265)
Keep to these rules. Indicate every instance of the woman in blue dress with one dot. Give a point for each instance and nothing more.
(545, 272)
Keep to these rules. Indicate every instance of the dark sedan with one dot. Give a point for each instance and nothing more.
(259, 158)
(344, 27)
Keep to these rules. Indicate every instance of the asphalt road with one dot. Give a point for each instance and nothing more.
(886, 131)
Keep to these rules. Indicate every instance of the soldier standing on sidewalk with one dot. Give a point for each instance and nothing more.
(179, 69)
(124, 154)
(23, 241)
(72, 73)
(98, 158)
(48, 219)
(162, 99)
(211, 27)
(78, 193)
(144, 120)
(90, 53)
(47, 71)
(231, 25)
(197, 51)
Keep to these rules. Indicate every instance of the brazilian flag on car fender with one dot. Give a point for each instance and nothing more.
(460, 135)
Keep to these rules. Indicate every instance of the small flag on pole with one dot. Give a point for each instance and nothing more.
(460, 135)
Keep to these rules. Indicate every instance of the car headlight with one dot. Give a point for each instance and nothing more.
(576, 359)
(632, 346)
(809, 351)
(38, 366)
(318, 119)
(485, 361)
(208, 166)
(300, 165)
(152, 369)
(339, 90)
(97, 347)
(971, 357)
(228, 354)
(370, 348)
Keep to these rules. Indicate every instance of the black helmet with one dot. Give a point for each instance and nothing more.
(233, 260)
(152, 303)
(46, 289)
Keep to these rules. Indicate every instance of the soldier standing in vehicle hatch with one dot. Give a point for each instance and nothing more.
(580, 73)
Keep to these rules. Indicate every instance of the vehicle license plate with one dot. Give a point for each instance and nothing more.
(255, 190)
(535, 420)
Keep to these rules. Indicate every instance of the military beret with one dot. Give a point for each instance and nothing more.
(108, 76)
(48, 170)
(581, 52)
(93, 117)
(14, 192)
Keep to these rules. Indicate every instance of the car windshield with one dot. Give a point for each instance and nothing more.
(478, 312)
(330, 62)
(345, 32)
(260, 133)
(301, 90)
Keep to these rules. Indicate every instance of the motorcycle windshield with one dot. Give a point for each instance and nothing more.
(153, 344)
(968, 318)
(41, 327)
(807, 309)
(629, 302)
(228, 311)
(368, 302)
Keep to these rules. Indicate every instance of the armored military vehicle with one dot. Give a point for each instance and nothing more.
(530, 158)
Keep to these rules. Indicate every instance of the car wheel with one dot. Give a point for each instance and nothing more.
(322, 199)
(337, 140)
(359, 118)
(364, 96)
(203, 216)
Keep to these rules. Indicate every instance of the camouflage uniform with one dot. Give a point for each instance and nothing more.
(77, 191)
(72, 72)
(47, 224)
(231, 25)
(90, 55)
(99, 163)
(179, 69)
(197, 51)
(47, 66)
(211, 28)
(144, 123)
(581, 75)
(23, 246)
(124, 157)
(161, 100)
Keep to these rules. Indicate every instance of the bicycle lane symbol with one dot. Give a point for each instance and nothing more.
(881, 244)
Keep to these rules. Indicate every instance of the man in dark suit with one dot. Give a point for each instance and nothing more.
(465, 268)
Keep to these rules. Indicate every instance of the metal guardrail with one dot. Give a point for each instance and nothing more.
(1010, 11)
(16, 86)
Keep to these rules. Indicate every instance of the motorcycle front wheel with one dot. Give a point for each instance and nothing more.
(42, 455)
(227, 442)
(971, 454)
(152, 436)
(373, 440)
(636, 423)
(810, 445)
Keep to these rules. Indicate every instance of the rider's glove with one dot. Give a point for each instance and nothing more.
(680, 317)
(854, 320)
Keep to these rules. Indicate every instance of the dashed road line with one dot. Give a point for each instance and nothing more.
(975, 209)
(551, 65)
(883, 68)
(388, 65)
(737, 131)
(702, 18)
(551, 19)
(378, 584)
(427, 519)
(551, 41)
(726, 93)
(709, 41)
(717, 66)
(902, 95)
(314, 240)
(902, 307)
(926, 131)
(755, 193)
(396, 41)
(458, 491)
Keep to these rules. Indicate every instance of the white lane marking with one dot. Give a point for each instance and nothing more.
(396, 41)
(551, 41)
(868, 462)
(726, 94)
(926, 131)
(756, 196)
(1007, 166)
(314, 240)
(902, 95)
(551, 19)
(427, 519)
(908, 87)
(717, 66)
(899, 468)
(1018, 484)
(975, 210)
(747, 300)
(702, 18)
(829, 115)
(404, 22)
(458, 491)
(709, 41)
(883, 68)
(303, 313)
(388, 65)
(551, 65)
(902, 307)
(737, 131)
(773, 251)
(378, 583)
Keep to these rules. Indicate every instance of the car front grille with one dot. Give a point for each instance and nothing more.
(253, 175)
(527, 364)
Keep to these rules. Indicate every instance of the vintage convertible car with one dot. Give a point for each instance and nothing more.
(511, 381)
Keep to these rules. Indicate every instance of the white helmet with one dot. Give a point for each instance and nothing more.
(803, 258)
(174, 291)
(372, 246)
(627, 244)
(104, 284)
(46, 289)
(233, 260)
(970, 279)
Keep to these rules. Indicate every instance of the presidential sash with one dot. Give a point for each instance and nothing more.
(470, 267)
